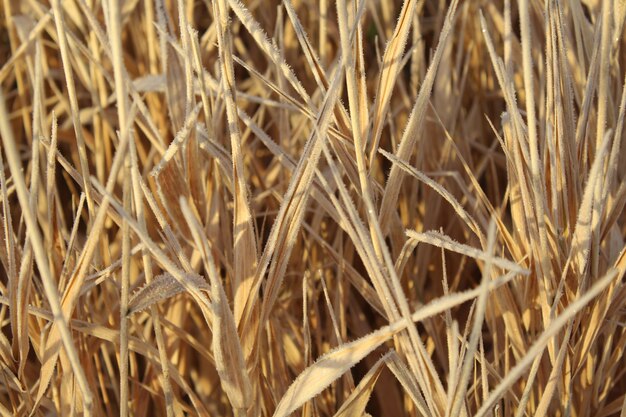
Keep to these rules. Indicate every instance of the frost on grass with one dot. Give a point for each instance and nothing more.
(327, 208)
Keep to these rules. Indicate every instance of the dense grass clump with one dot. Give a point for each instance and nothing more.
(312, 208)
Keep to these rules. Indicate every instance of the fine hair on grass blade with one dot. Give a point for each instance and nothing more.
(333, 208)
(333, 364)
(8, 141)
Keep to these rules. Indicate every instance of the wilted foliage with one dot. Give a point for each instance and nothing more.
(312, 208)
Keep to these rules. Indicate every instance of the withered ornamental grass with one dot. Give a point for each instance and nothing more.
(312, 208)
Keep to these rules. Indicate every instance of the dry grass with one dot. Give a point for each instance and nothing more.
(312, 208)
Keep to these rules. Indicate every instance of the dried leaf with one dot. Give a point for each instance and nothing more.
(163, 286)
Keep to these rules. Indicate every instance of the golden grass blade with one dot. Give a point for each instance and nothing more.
(603, 83)
(359, 282)
(124, 297)
(335, 363)
(355, 404)
(616, 147)
(65, 336)
(471, 223)
(200, 73)
(546, 398)
(146, 120)
(245, 250)
(169, 173)
(69, 78)
(484, 381)
(267, 47)
(442, 241)
(540, 343)
(175, 89)
(162, 287)
(391, 68)
(313, 60)
(588, 212)
(283, 157)
(229, 356)
(147, 266)
(532, 375)
(361, 86)
(285, 227)
(72, 292)
(51, 205)
(327, 369)
(135, 345)
(158, 254)
(479, 316)
(114, 23)
(416, 119)
(403, 375)
(26, 43)
(523, 216)
(357, 111)
(5, 411)
(9, 258)
(386, 282)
